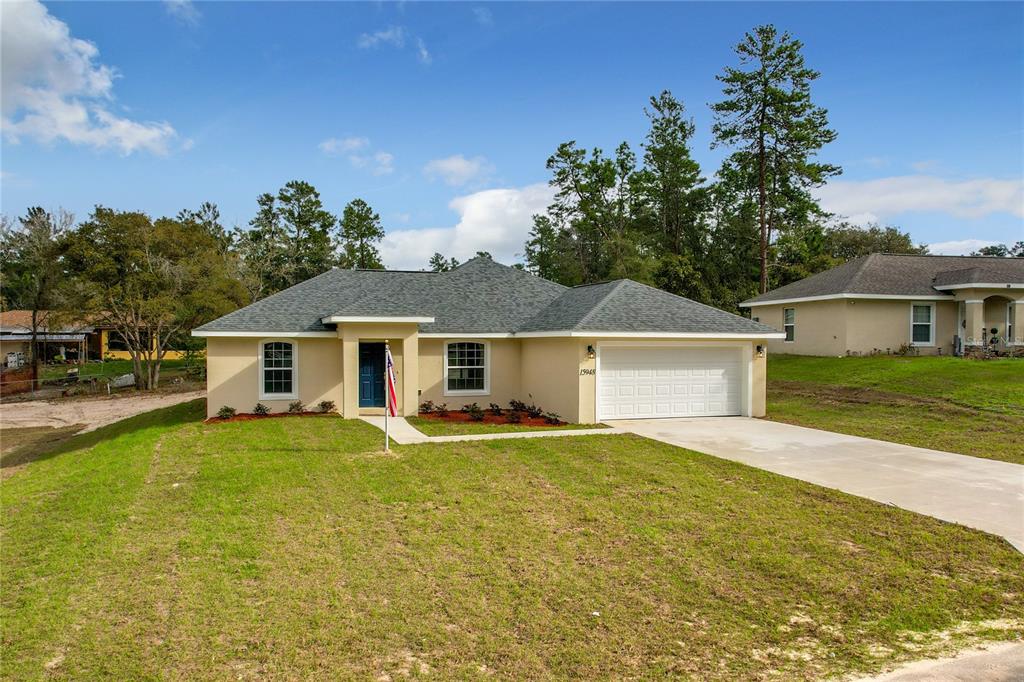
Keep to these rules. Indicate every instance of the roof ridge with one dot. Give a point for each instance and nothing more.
(619, 283)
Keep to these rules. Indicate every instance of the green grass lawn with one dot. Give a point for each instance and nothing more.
(109, 369)
(161, 547)
(971, 407)
(437, 427)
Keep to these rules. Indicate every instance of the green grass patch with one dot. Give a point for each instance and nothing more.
(438, 427)
(163, 547)
(109, 369)
(969, 407)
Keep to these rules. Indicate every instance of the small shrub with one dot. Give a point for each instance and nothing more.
(225, 412)
(552, 418)
(427, 406)
(296, 407)
(470, 407)
(532, 409)
(514, 417)
(474, 412)
(261, 409)
(325, 406)
(496, 409)
(442, 410)
(517, 405)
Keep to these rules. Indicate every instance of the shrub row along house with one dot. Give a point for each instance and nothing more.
(487, 332)
(961, 305)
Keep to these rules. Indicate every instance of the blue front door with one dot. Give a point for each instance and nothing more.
(371, 375)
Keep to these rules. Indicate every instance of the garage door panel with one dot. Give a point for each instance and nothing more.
(669, 382)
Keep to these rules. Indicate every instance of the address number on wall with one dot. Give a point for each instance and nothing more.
(587, 372)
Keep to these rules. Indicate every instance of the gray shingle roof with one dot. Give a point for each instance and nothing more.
(480, 296)
(899, 275)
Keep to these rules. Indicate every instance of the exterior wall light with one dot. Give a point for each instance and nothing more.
(591, 354)
(760, 351)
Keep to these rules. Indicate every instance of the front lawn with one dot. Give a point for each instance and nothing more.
(970, 407)
(162, 547)
(440, 427)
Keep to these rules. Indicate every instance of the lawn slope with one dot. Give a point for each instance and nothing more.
(291, 548)
(970, 407)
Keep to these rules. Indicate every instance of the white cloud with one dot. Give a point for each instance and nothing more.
(54, 89)
(494, 220)
(341, 145)
(184, 11)
(422, 52)
(458, 170)
(394, 36)
(484, 17)
(886, 197)
(962, 247)
(379, 163)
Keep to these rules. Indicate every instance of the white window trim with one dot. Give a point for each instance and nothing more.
(791, 324)
(294, 395)
(1011, 327)
(487, 367)
(931, 324)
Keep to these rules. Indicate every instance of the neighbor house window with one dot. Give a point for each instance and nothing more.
(789, 323)
(465, 368)
(922, 324)
(277, 370)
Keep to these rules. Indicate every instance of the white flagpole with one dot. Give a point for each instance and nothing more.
(387, 396)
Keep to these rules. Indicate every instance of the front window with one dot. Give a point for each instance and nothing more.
(278, 370)
(1010, 339)
(922, 325)
(789, 323)
(466, 368)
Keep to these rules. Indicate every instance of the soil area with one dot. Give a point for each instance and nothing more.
(92, 413)
(248, 417)
(459, 416)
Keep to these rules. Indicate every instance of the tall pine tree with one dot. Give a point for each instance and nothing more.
(360, 231)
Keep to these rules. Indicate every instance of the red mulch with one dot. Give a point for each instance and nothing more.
(248, 417)
(459, 416)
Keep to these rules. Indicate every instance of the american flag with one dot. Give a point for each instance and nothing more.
(392, 394)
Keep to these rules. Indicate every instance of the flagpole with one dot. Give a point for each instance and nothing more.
(387, 397)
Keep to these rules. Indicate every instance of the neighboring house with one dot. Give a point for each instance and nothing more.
(938, 305)
(79, 340)
(484, 333)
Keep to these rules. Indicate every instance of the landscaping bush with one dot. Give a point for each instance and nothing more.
(296, 407)
(474, 412)
(442, 410)
(225, 412)
(496, 409)
(427, 406)
(514, 417)
(517, 405)
(326, 406)
(552, 418)
(261, 409)
(532, 409)
(470, 407)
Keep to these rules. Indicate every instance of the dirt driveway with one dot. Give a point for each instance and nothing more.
(91, 412)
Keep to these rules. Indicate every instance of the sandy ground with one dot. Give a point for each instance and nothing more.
(92, 412)
(992, 663)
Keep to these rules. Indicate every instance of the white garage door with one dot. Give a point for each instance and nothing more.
(641, 383)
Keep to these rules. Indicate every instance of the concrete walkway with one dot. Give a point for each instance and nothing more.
(404, 433)
(980, 493)
(994, 663)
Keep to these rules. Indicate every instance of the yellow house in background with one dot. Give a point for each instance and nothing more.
(112, 347)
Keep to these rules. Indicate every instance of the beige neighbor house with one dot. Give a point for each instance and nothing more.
(484, 333)
(882, 303)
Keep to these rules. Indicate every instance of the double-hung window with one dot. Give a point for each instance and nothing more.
(277, 370)
(922, 324)
(465, 368)
(789, 323)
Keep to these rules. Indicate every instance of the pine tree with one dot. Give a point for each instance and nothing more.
(360, 230)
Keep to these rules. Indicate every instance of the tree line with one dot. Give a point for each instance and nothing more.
(153, 281)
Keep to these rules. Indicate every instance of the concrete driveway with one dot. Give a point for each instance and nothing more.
(975, 492)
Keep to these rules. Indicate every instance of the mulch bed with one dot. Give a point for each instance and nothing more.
(248, 417)
(463, 417)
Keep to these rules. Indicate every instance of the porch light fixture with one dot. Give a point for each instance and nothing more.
(760, 351)
(591, 354)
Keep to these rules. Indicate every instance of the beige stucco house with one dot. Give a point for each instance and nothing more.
(933, 305)
(487, 333)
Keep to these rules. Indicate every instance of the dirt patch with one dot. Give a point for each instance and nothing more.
(91, 413)
(848, 395)
(460, 417)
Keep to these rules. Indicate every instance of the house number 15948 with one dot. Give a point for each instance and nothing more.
(587, 372)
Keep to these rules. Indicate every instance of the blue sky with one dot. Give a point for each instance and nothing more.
(442, 115)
